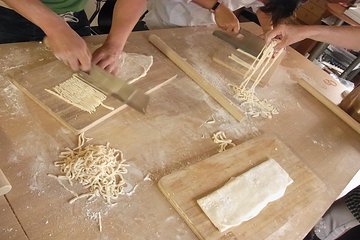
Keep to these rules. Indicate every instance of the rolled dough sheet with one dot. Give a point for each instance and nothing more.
(243, 197)
(134, 66)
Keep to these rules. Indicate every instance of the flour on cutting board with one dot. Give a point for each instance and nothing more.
(19, 56)
(30, 146)
(12, 100)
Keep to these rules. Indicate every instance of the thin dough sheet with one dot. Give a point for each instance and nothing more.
(243, 197)
(134, 66)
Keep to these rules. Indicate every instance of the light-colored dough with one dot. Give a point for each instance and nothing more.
(134, 66)
(99, 168)
(252, 105)
(220, 138)
(243, 197)
(79, 94)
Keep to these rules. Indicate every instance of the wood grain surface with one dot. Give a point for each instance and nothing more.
(196, 77)
(182, 188)
(9, 225)
(172, 135)
(33, 82)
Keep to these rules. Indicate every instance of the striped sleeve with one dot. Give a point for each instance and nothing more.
(352, 200)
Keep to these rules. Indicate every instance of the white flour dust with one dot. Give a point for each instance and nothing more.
(12, 100)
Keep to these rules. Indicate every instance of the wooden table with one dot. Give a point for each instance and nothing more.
(170, 136)
(338, 11)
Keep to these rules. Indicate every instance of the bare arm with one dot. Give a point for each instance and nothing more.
(265, 20)
(343, 36)
(224, 17)
(65, 43)
(126, 14)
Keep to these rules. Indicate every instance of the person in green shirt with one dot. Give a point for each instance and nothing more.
(35, 19)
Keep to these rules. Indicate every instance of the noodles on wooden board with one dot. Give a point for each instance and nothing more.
(253, 106)
(99, 168)
(79, 94)
(220, 138)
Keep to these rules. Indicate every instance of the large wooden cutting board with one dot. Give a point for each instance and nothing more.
(184, 187)
(33, 80)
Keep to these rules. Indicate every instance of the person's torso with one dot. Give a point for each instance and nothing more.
(61, 6)
(172, 13)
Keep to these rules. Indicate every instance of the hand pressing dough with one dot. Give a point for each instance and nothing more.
(76, 92)
(134, 66)
(243, 197)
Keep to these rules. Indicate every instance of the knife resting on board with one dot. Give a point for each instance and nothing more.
(248, 42)
(116, 87)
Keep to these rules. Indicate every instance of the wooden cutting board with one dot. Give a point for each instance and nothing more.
(33, 80)
(222, 57)
(184, 187)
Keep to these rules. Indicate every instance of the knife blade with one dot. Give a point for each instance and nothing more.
(247, 41)
(116, 87)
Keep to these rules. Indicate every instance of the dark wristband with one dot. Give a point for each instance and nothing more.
(216, 5)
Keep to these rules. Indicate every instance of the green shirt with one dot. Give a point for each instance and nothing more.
(63, 6)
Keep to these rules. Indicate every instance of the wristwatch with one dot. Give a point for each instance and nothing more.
(216, 5)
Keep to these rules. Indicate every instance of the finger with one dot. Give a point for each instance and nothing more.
(237, 28)
(269, 36)
(96, 58)
(116, 71)
(112, 69)
(229, 28)
(73, 63)
(103, 63)
(46, 42)
(85, 61)
(280, 45)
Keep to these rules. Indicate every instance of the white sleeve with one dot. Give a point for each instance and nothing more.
(236, 4)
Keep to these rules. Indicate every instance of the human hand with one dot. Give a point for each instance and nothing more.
(226, 19)
(70, 48)
(107, 57)
(287, 34)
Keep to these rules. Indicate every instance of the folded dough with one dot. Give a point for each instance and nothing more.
(243, 197)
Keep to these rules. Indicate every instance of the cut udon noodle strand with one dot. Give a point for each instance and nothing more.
(252, 105)
(99, 168)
